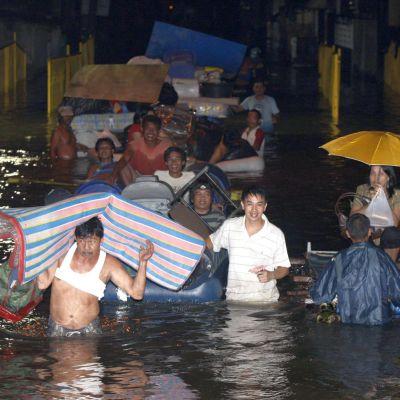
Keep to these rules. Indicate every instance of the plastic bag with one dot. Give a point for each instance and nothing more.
(379, 211)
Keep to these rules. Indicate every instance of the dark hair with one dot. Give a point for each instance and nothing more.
(151, 119)
(200, 185)
(391, 173)
(257, 112)
(358, 226)
(254, 191)
(174, 149)
(89, 228)
(104, 140)
(137, 118)
(259, 81)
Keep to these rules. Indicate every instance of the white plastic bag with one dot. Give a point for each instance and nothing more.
(379, 211)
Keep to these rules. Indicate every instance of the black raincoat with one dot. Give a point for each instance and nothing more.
(365, 279)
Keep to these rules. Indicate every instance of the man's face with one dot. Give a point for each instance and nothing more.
(105, 151)
(258, 89)
(175, 163)
(254, 207)
(150, 132)
(88, 246)
(202, 200)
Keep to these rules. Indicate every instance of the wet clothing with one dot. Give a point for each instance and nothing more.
(364, 278)
(256, 138)
(146, 160)
(56, 330)
(88, 282)
(266, 106)
(267, 247)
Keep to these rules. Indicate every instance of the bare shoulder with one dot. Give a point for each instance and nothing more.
(112, 262)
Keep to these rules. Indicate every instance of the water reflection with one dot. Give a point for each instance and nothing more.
(254, 347)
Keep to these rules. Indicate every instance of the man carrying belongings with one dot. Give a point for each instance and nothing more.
(79, 280)
(363, 277)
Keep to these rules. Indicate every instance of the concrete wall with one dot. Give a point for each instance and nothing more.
(40, 42)
(365, 53)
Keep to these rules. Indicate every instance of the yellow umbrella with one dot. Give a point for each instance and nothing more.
(369, 147)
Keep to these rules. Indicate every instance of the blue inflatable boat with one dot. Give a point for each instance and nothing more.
(208, 281)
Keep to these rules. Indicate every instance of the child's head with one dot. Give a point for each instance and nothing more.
(358, 228)
(175, 158)
(105, 148)
(253, 118)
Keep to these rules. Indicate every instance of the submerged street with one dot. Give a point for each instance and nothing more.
(215, 351)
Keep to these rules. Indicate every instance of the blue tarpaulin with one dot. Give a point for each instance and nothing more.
(208, 50)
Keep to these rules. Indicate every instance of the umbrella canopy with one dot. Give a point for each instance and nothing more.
(369, 147)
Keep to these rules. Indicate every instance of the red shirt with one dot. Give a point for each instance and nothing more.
(146, 160)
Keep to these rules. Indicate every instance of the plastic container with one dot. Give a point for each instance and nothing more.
(186, 87)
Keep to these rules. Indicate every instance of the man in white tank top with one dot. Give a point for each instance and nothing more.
(79, 279)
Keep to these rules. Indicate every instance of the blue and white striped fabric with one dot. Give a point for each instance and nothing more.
(46, 233)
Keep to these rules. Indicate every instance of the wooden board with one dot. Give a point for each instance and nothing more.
(139, 83)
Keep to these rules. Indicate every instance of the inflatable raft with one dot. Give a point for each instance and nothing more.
(247, 164)
(208, 281)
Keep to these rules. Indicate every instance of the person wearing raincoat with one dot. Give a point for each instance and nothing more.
(363, 277)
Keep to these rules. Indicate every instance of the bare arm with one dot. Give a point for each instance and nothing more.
(209, 243)
(133, 286)
(396, 215)
(218, 153)
(45, 279)
(266, 276)
(275, 118)
(55, 138)
(237, 109)
(128, 154)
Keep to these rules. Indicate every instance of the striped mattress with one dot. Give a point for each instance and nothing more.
(44, 234)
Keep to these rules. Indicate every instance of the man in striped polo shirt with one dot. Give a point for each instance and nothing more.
(256, 248)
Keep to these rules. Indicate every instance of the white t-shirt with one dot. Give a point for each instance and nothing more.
(175, 183)
(267, 107)
(267, 247)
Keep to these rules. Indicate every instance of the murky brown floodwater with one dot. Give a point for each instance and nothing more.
(217, 351)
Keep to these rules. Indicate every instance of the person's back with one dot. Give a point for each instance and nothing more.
(363, 277)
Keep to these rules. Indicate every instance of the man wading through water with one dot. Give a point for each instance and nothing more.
(79, 279)
(256, 248)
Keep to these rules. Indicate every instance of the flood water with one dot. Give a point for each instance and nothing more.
(215, 351)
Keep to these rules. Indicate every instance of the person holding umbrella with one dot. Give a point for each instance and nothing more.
(382, 180)
(380, 150)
